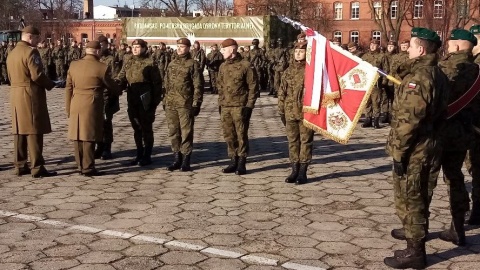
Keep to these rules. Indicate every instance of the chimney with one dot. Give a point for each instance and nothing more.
(88, 9)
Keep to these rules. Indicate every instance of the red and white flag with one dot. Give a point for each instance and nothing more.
(337, 88)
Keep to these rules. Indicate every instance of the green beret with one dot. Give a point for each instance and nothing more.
(475, 29)
(426, 34)
(462, 34)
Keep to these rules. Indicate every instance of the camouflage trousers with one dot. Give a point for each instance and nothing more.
(180, 129)
(213, 80)
(372, 109)
(235, 131)
(411, 194)
(142, 124)
(46, 69)
(300, 141)
(4, 73)
(270, 80)
(60, 70)
(472, 163)
(277, 79)
(387, 99)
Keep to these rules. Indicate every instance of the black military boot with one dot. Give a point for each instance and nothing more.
(474, 218)
(386, 119)
(147, 156)
(177, 162)
(413, 257)
(398, 234)
(232, 167)
(186, 163)
(302, 174)
(99, 151)
(138, 157)
(456, 232)
(241, 169)
(107, 151)
(376, 122)
(367, 123)
(294, 174)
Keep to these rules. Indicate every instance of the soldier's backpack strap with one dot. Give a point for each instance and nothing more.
(465, 99)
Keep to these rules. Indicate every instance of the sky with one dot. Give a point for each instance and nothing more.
(113, 2)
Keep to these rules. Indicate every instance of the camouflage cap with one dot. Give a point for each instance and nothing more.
(93, 45)
(140, 42)
(351, 45)
(375, 41)
(229, 42)
(301, 45)
(31, 30)
(405, 42)
(462, 34)
(184, 41)
(475, 29)
(102, 39)
(426, 34)
(392, 43)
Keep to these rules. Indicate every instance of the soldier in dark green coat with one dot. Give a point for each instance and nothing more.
(372, 110)
(353, 49)
(290, 106)
(236, 99)
(183, 99)
(144, 94)
(419, 110)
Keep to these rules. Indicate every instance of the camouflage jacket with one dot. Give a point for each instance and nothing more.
(73, 54)
(199, 57)
(281, 59)
(58, 55)
(141, 76)
(3, 56)
(290, 95)
(45, 55)
(462, 73)
(377, 59)
(270, 57)
(420, 107)
(256, 57)
(183, 84)
(395, 61)
(108, 60)
(214, 60)
(358, 53)
(163, 58)
(236, 83)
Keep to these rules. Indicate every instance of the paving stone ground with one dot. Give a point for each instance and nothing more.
(340, 220)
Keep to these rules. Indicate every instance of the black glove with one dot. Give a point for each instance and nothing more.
(398, 168)
(220, 110)
(284, 120)
(164, 107)
(196, 110)
(247, 113)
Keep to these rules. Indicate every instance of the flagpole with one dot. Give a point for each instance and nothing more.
(299, 26)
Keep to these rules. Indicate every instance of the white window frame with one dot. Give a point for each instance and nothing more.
(355, 6)
(418, 9)
(394, 10)
(438, 9)
(377, 35)
(377, 10)
(355, 36)
(338, 10)
(338, 34)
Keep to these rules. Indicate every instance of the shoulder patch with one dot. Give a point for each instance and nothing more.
(36, 59)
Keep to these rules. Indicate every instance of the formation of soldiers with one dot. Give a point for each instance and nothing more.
(427, 133)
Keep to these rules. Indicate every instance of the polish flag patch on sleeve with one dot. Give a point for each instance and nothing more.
(412, 85)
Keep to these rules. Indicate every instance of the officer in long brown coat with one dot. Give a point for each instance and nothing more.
(86, 80)
(30, 119)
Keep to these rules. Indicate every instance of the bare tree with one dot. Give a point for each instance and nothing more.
(174, 7)
(63, 12)
(389, 15)
(11, 11)
(214, 7)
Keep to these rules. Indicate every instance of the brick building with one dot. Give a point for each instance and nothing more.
(355, 20)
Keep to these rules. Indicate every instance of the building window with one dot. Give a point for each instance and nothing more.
(377, 35)
(250, 10)
(355, 11)
(438, 9)
(338, 9)
(338, 34)
(394, 10)
(418, 10)
(354, 36)
(377, 10)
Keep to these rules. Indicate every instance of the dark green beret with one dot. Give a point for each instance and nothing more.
(475, 29)
(462, 34)
(426, 34)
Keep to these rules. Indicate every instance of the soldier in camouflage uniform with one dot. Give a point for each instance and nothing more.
(45, 56)
(73, 53)
(353, 49)
(256, 57)
(214, 60)
(3, 63)
(183, 99)
(119, 58)
(372, 110)
(290, 106)
(237, 86)
(389, 89)
(58, 58)
(144, 94)
(419, 110)
(111, 106)
(473, 157)
(270, 64)
(395, 61)
(281, 63)
(163, 58)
